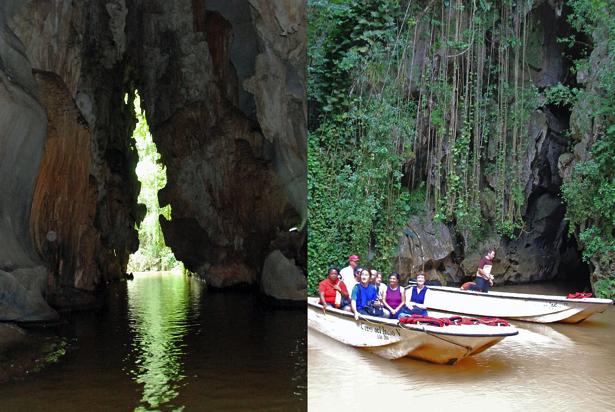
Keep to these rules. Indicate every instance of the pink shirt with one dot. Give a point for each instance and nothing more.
(393, 297)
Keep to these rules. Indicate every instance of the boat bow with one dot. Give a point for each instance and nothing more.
(392, 340)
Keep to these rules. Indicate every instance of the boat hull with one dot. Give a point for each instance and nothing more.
(385, 338)
(515, 306)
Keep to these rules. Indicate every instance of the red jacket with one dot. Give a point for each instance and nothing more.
(327, 287)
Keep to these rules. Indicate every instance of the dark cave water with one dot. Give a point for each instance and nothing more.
(163, 343)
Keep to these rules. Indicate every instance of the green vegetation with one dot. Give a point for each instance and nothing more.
(153, 254)
(560, 95)
(415, 108)
(356, 153)
(590, 192)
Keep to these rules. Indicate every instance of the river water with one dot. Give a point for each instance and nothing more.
(555, 367)
(164, 343)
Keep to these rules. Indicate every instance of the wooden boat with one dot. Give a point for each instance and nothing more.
(392, 340)
(515, 306)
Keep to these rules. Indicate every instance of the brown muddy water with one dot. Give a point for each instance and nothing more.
(164, 343)
(554, 367)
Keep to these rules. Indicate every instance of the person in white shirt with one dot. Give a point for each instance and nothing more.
(347, 273)
(376, 280)
(382, 287)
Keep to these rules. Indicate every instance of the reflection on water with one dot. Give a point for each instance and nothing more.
(554, 367)
(157, 312)
(164, 343)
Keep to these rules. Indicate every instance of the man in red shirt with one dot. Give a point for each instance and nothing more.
(333, 291)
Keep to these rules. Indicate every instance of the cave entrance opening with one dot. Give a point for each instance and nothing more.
(153, 253)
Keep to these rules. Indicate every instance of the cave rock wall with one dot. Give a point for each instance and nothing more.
(223, 87)
(543, 250)
(586, 126)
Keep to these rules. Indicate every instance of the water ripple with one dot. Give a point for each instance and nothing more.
(157, 314)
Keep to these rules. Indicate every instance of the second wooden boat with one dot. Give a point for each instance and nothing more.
(515, 306)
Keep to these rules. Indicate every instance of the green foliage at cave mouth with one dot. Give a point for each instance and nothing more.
(590, 192)
(153, 253)
(390, 138)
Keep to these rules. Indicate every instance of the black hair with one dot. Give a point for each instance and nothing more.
(333, 268)
(394, 274)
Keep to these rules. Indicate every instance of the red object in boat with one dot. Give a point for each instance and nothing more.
(419, 319)
(453, 320)
(579, 295)
(493, 322)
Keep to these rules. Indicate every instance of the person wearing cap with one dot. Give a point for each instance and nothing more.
(348, 273)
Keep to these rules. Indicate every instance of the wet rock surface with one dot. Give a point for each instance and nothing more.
(23, 123)
(23, 352)
(22, 295)
(282, 279)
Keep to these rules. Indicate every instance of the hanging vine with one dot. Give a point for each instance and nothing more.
(472, 46)
(432, 93)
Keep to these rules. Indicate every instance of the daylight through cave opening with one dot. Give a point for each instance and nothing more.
(153, 253)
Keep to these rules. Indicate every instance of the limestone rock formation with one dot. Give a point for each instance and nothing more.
(427, 246)
(282, 279)
(545, 55)
(540, 253)
(23, 123)
(64, 191)
(223, 87)
(279, 85)
(543, 249)
(586, 125)
(229, 121)
(84, 204)
(21, 296)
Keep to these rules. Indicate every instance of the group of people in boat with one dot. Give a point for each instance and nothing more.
(361, 291)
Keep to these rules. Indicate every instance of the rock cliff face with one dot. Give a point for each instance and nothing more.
(23, 123)
(543, 250)
(223, 87)
(226, 104)
(586, 125)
